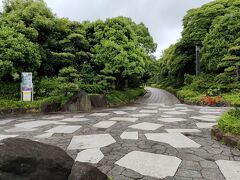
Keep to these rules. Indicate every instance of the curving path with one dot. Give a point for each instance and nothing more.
(160, 96)
(156, 138)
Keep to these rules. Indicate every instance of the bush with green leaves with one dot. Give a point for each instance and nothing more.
(190, 96)
(10, 91)
(93, 88)
(230, 122)
(122, 97)
(65, 84)
(232, 98)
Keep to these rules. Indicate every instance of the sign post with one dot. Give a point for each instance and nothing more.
(26, 87)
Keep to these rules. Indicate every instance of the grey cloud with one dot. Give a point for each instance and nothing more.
(163, 17)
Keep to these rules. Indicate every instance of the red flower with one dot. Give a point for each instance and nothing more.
(211, 100)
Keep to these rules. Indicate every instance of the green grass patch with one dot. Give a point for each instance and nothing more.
(232, 99)
(123, 97)
(14, 104)
(230, 122)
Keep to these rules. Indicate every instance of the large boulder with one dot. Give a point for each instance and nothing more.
(80, 101)
(23, 159)
(98, 101)
(85, 171)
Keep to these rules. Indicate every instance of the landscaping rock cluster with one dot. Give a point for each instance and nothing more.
(81, 101)
(23, 159)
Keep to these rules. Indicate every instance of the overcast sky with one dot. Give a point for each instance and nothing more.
(162, 17)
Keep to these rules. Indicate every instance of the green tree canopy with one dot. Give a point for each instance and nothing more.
(214, 27)
(225, 30)
(17, 53)
(118, 53)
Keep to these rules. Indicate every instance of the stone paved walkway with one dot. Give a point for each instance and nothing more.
(156, 138)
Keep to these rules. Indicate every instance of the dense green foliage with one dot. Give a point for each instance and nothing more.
(18, 54)
(230, 122)
(215, 27)
(65, 55)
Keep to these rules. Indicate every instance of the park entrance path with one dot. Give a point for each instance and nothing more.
(160, 96)
(156, 138)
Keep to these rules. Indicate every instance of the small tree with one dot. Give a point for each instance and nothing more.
(69, 79)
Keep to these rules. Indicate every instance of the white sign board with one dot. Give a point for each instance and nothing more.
(27, 80)
(26, 87)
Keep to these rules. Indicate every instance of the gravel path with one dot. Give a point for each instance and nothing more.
(156, 138)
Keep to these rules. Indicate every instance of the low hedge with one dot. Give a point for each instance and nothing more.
(12, 104)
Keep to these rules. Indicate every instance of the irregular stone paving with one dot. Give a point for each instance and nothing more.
(156, 138)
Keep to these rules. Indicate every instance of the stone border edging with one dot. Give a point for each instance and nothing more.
(229, 140)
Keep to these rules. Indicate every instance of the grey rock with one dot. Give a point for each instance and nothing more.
(212, 174)
(235, 152)
(80, 101)
(131, 174)
(7, 176)
(85, 171)
(117, 170)
(215, 150)
(189, 157)
(191, 165)
(208, 164)
(182, 178)
(28, 159)
(121, 177)
(188, 173)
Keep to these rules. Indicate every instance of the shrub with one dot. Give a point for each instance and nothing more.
(10, 91)
(230, 122)
(232, 98)
(190, 96)
(199, 83)
(56, 86)
(92, 88)
(47, 87)
(188, 79)
(122, 97)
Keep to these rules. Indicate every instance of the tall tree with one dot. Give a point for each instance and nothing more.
(117, 51)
